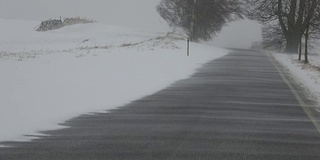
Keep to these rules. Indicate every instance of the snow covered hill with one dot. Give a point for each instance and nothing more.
(50, 77)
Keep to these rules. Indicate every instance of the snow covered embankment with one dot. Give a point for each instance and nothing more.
(50, 77)
(306, 74)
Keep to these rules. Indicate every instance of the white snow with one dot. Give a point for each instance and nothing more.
(50, 77)
(307, 75)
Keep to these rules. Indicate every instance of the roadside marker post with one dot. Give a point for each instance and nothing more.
(188, 47)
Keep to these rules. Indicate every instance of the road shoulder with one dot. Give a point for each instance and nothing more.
(302, 93)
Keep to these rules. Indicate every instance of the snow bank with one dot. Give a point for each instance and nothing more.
(306, 74)
(50, 77)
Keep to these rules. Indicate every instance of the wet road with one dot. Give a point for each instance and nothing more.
(235, 108)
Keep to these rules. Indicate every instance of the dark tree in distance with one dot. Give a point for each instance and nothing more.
(293, 17)
(199, 19)
(273, 37)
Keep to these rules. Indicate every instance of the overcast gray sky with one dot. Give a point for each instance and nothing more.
(140, 14)
(132, 13)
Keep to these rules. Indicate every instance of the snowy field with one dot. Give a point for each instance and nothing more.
(306, 74)
(50, 77)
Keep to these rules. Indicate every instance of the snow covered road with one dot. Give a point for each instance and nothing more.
(235, 107)
(50, 77)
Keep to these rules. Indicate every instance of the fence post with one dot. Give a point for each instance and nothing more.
(188, 43)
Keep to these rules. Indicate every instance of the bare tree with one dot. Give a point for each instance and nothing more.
(200, 19)
(293, 16)
(312, 33)
(273, 37)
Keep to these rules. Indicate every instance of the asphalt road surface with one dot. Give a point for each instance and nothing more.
(237, 107)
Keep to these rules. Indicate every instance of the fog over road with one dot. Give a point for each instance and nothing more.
(138, 14)
(235, 107)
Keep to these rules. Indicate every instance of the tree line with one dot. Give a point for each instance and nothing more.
(286, 23)
(200, 19)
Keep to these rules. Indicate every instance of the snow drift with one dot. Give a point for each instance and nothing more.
(50, 77)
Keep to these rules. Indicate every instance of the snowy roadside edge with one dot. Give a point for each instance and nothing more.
(305, 78)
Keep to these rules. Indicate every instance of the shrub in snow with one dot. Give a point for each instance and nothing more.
(50, 25)
(58, 23)
(77, 20)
